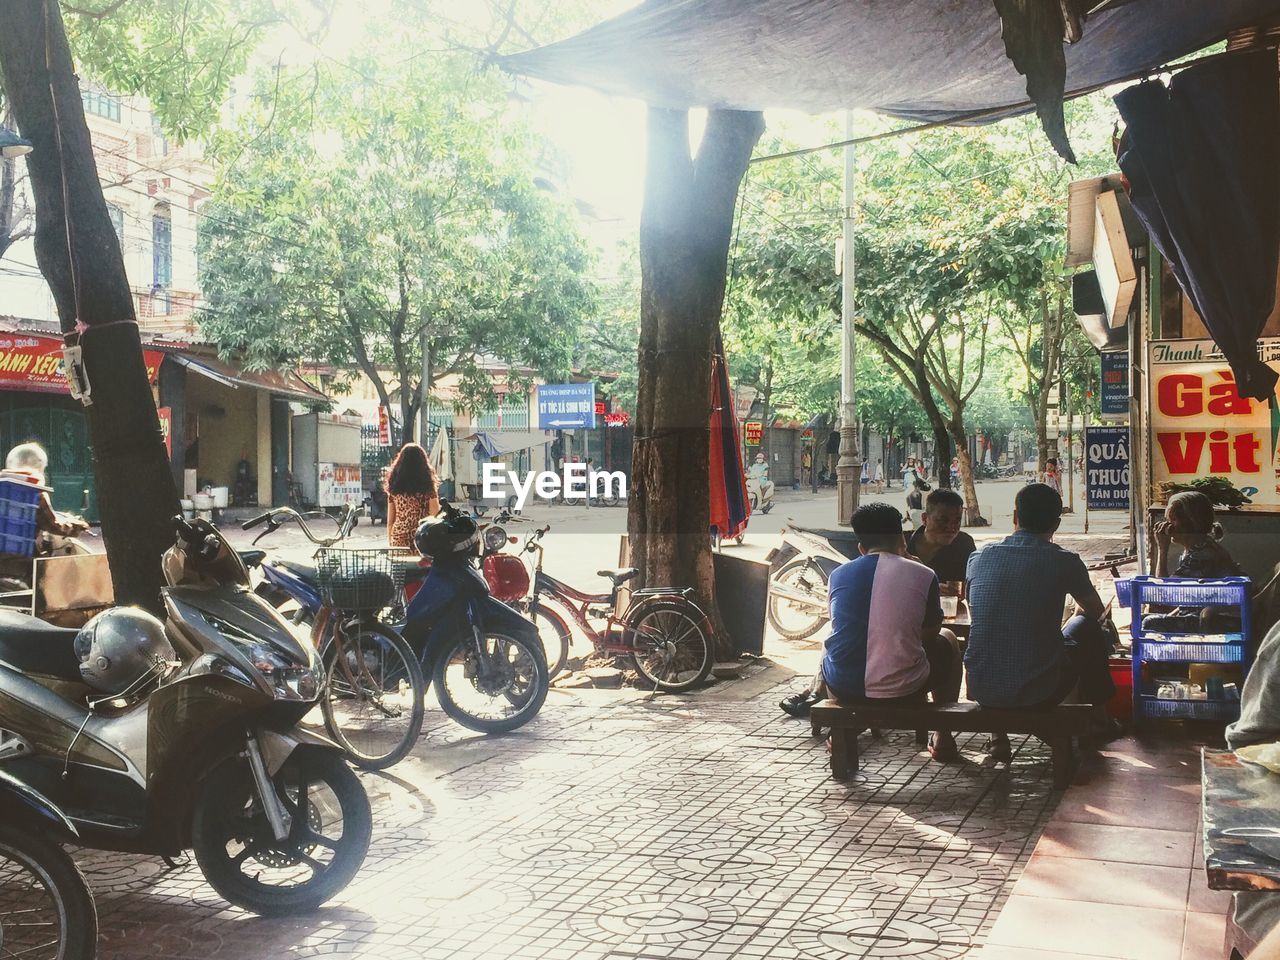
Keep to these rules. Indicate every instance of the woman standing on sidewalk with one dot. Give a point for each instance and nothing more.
(411, 494)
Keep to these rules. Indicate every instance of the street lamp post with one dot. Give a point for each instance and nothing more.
(849, 466)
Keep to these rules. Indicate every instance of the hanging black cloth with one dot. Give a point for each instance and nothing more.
(1202, 157)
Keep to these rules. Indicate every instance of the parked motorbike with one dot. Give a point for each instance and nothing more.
(201, 749)
(760, 495)
(46, 909)
(799, 572)
(485, 660)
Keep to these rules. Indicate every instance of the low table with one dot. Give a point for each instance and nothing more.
(1239, 799)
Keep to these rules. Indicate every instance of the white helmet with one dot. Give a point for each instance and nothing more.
(121, 648)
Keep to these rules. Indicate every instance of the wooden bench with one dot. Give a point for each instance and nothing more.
(1056, 726)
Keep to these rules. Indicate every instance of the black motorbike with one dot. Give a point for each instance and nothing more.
(210, 759)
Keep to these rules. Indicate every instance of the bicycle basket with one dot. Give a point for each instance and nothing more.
(358, 579)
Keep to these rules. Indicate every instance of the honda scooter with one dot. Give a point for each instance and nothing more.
(206, 754)
(799, 571)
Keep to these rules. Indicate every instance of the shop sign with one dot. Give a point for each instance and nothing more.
(754, 432)
(35, 364)
(1106, 468)
(166, 428)
(563, 406)
(618, 418)
(1201, 426)
(339, 484)
(384, 427)
(1115, 386)
(600, 411)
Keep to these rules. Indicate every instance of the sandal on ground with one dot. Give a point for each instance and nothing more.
(942, 747)
(798, 704)
(999, 750)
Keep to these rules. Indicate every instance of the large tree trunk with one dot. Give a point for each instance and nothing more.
(685, 230)
(136, 496)
(973, 513)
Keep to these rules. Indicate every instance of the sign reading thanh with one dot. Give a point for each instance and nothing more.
(1202, 427)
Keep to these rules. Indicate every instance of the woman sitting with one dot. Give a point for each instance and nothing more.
(411, 494)
(1189, 522)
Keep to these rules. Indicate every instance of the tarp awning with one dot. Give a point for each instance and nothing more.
(507, 441)
(926, 60)
(285, 382)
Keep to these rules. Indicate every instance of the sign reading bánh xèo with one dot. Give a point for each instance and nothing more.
(1202, 427)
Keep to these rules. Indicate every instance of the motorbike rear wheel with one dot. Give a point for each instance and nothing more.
(236, 849)
(46, 909)
(497, 696)
(792, 620)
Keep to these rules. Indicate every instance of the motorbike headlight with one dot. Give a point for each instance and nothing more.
(289, 679)
(495, 538)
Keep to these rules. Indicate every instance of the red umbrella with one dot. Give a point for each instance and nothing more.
(730, 507)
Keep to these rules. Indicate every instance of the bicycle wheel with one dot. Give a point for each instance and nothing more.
(497, 693)
(671, 651)
(372, 700)
(46, 909)
(556, 638)
(792, 619)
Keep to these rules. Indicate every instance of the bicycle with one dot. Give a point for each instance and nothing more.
(374, 690)
(664, 632)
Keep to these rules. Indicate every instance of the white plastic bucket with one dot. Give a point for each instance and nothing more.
(202, 502)
(219, 497)
(188, 509)
(204, 514)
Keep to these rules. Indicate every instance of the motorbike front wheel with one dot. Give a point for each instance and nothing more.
(46, 909)
(494, 689)
(327, 842)
(793, 620)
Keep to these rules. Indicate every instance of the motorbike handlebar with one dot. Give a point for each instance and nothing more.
(253, 522)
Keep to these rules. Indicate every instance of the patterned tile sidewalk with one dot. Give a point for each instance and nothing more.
(625, 826)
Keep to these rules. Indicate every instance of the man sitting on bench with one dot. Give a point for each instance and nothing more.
(1019, 653)
(886, 641)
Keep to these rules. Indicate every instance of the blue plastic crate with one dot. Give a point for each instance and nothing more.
(19, 504)
(1124, 592)
(1177, 591)
(1189, 651)
(1154, 707)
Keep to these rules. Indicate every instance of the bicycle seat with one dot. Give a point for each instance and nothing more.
(29, 645)
(252, 558)
(619, 576)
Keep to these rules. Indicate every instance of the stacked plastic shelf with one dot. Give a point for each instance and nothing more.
(19, 503)
(1158, 649)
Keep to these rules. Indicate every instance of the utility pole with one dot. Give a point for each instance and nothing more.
(849, 466)
(424, 408)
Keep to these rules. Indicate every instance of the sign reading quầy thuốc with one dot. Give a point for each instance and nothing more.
(1106, 468)
(1202, 427)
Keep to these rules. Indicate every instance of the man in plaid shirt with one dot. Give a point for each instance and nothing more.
(1020, 654)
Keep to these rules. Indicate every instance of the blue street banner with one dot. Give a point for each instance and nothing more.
(566, 406)
(1115, 386)
(1106, 468)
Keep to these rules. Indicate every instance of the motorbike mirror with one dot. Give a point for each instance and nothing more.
(513, 539)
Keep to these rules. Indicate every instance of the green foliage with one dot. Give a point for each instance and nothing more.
(369, 214)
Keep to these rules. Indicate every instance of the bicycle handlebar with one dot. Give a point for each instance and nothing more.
(276, 518)
(251, 523)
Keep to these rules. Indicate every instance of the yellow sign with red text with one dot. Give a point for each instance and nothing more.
(1202, 427)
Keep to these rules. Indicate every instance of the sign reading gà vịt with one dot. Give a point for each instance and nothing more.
(1202, 427)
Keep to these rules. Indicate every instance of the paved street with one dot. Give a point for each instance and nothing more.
(622, 824)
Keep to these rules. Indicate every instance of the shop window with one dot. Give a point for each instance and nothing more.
(100, 103)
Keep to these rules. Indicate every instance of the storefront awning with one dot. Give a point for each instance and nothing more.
(490, 445)
(284, 382)
(925, 60)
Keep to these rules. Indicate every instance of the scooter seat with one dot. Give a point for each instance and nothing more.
(825, 533)
(619, 576)
(29, 645)
(301, 569)
(252, 558)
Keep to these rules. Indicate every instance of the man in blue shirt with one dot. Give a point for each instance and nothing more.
(1019, 652)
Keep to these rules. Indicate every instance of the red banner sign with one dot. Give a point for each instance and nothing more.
(600, 408)
(166, 428)
(754, 430)
(384, 427)
(619, 418)
(35, 363)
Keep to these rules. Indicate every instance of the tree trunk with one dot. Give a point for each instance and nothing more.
(973, 514)
(685, 230)
(136, 496)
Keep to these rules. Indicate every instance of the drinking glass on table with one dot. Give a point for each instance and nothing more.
(950, 591)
